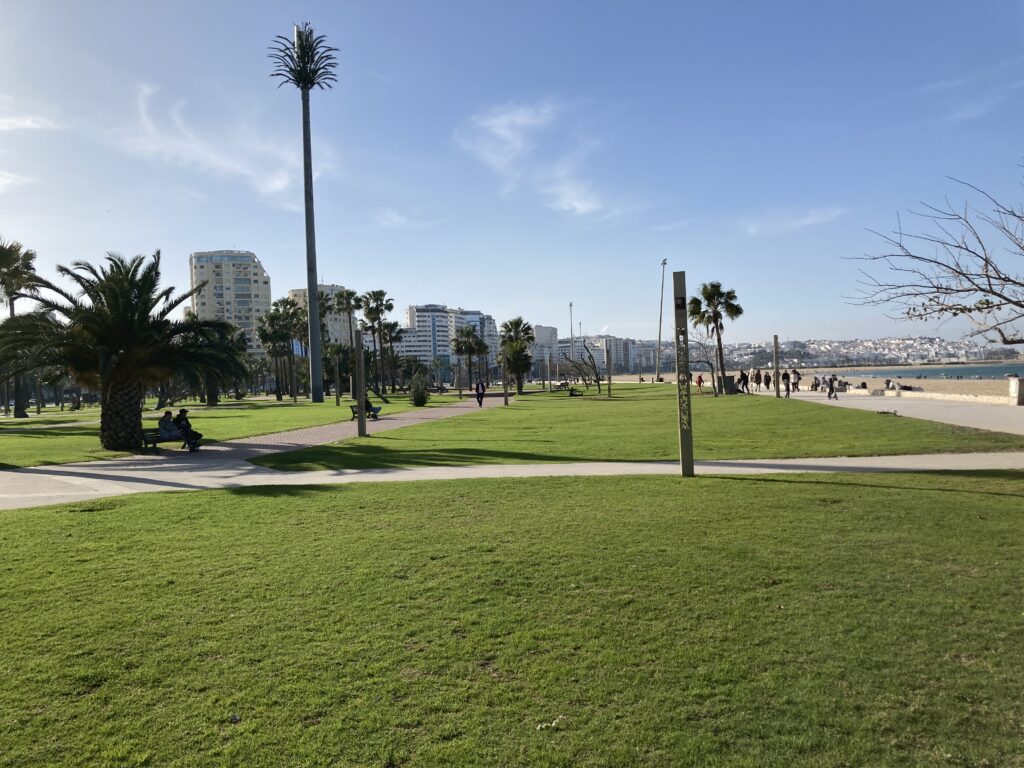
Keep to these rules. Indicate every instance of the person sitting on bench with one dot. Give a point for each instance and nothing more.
(189, 435)
(370, 409)
(168, 430)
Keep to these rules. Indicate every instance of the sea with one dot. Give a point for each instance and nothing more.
(988, 371)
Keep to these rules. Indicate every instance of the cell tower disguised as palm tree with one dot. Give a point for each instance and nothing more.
(306, 61)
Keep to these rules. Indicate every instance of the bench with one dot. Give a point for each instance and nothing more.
(355, 412)
(561, 385)
(151, 437)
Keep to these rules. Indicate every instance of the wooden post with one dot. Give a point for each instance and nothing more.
(360, 393)
(683, 376)
(337, 381)
(775, 361)
(608, 365)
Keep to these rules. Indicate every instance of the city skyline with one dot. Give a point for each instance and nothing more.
(516, 158)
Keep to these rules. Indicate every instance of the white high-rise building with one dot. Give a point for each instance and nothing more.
(427, 334)
(337, 324)
(545, 346)
(237, 289)
(430, 329)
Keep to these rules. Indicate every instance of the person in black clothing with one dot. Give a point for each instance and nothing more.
(370, 409)
(785, 382)
(189, 435)
(480, 390)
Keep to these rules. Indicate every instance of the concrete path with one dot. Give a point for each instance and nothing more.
(991, 416)
(225, 465)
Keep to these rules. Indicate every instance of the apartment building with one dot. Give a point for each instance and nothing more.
(236, 288)
(337, 324)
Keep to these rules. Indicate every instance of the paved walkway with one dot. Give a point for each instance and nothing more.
(225, 465)
(998, 418)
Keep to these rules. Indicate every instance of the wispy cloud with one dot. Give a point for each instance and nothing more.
(782, 221)
(270, 170)
(672, 226)
(952, 83)
(16, 115)
(10, 180)
(570, 195)
(25, 123)
(502, 136)
(389, 218)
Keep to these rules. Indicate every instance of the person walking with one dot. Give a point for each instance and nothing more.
(767, 381)
(832, 394)
(744, 382)
(757, 380)
(480, 390)
(796, 380)
(785, 382)
(700, 382)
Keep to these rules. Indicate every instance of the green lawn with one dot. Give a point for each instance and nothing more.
(812, 620)
(28, 443)
(639, 424)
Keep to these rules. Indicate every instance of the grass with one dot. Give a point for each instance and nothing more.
(29, 443)
(751, 621)
(639, 424)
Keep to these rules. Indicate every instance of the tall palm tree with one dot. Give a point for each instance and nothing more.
(376, 305)
(275, 334)
(516, 336)
(465, 345)
(391, 333)
(710, 310)
(306, 61)
(17, 278)
(116, 333)
(346, 302)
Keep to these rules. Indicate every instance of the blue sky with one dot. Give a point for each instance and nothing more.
(515, 157)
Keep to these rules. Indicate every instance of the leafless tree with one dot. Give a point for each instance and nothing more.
(967, 265)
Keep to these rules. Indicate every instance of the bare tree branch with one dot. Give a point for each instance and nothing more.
(955, 270)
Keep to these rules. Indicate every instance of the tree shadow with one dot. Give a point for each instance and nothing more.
(810, 479)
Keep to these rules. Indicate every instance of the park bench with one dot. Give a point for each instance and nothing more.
(355, 412)
(150, 438)
(561, 385)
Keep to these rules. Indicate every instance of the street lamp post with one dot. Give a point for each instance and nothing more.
(661, 310)
(572, 339)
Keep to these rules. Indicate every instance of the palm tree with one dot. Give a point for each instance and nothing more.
(465, 344)
(516, 336)
(710, 310)
(346, 302)
(116, 334)
(17, 278)
(306, 61)
(274, 332)
(376, 305)
(390, 334)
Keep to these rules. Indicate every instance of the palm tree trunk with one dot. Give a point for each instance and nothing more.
(352, 362)
(316, 377)
(121, 415)
(19, 383)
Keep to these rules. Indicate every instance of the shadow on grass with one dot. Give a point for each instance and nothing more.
(386, 457)
(974, 474)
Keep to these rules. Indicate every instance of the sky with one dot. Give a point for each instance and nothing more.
(514, 157)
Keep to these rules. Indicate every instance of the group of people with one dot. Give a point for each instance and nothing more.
(826, 384)
(788, 380)
(179, 427)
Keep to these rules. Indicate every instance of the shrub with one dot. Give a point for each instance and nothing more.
(419, 394)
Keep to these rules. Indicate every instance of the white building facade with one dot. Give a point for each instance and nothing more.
(338, 327)
(236, 288)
